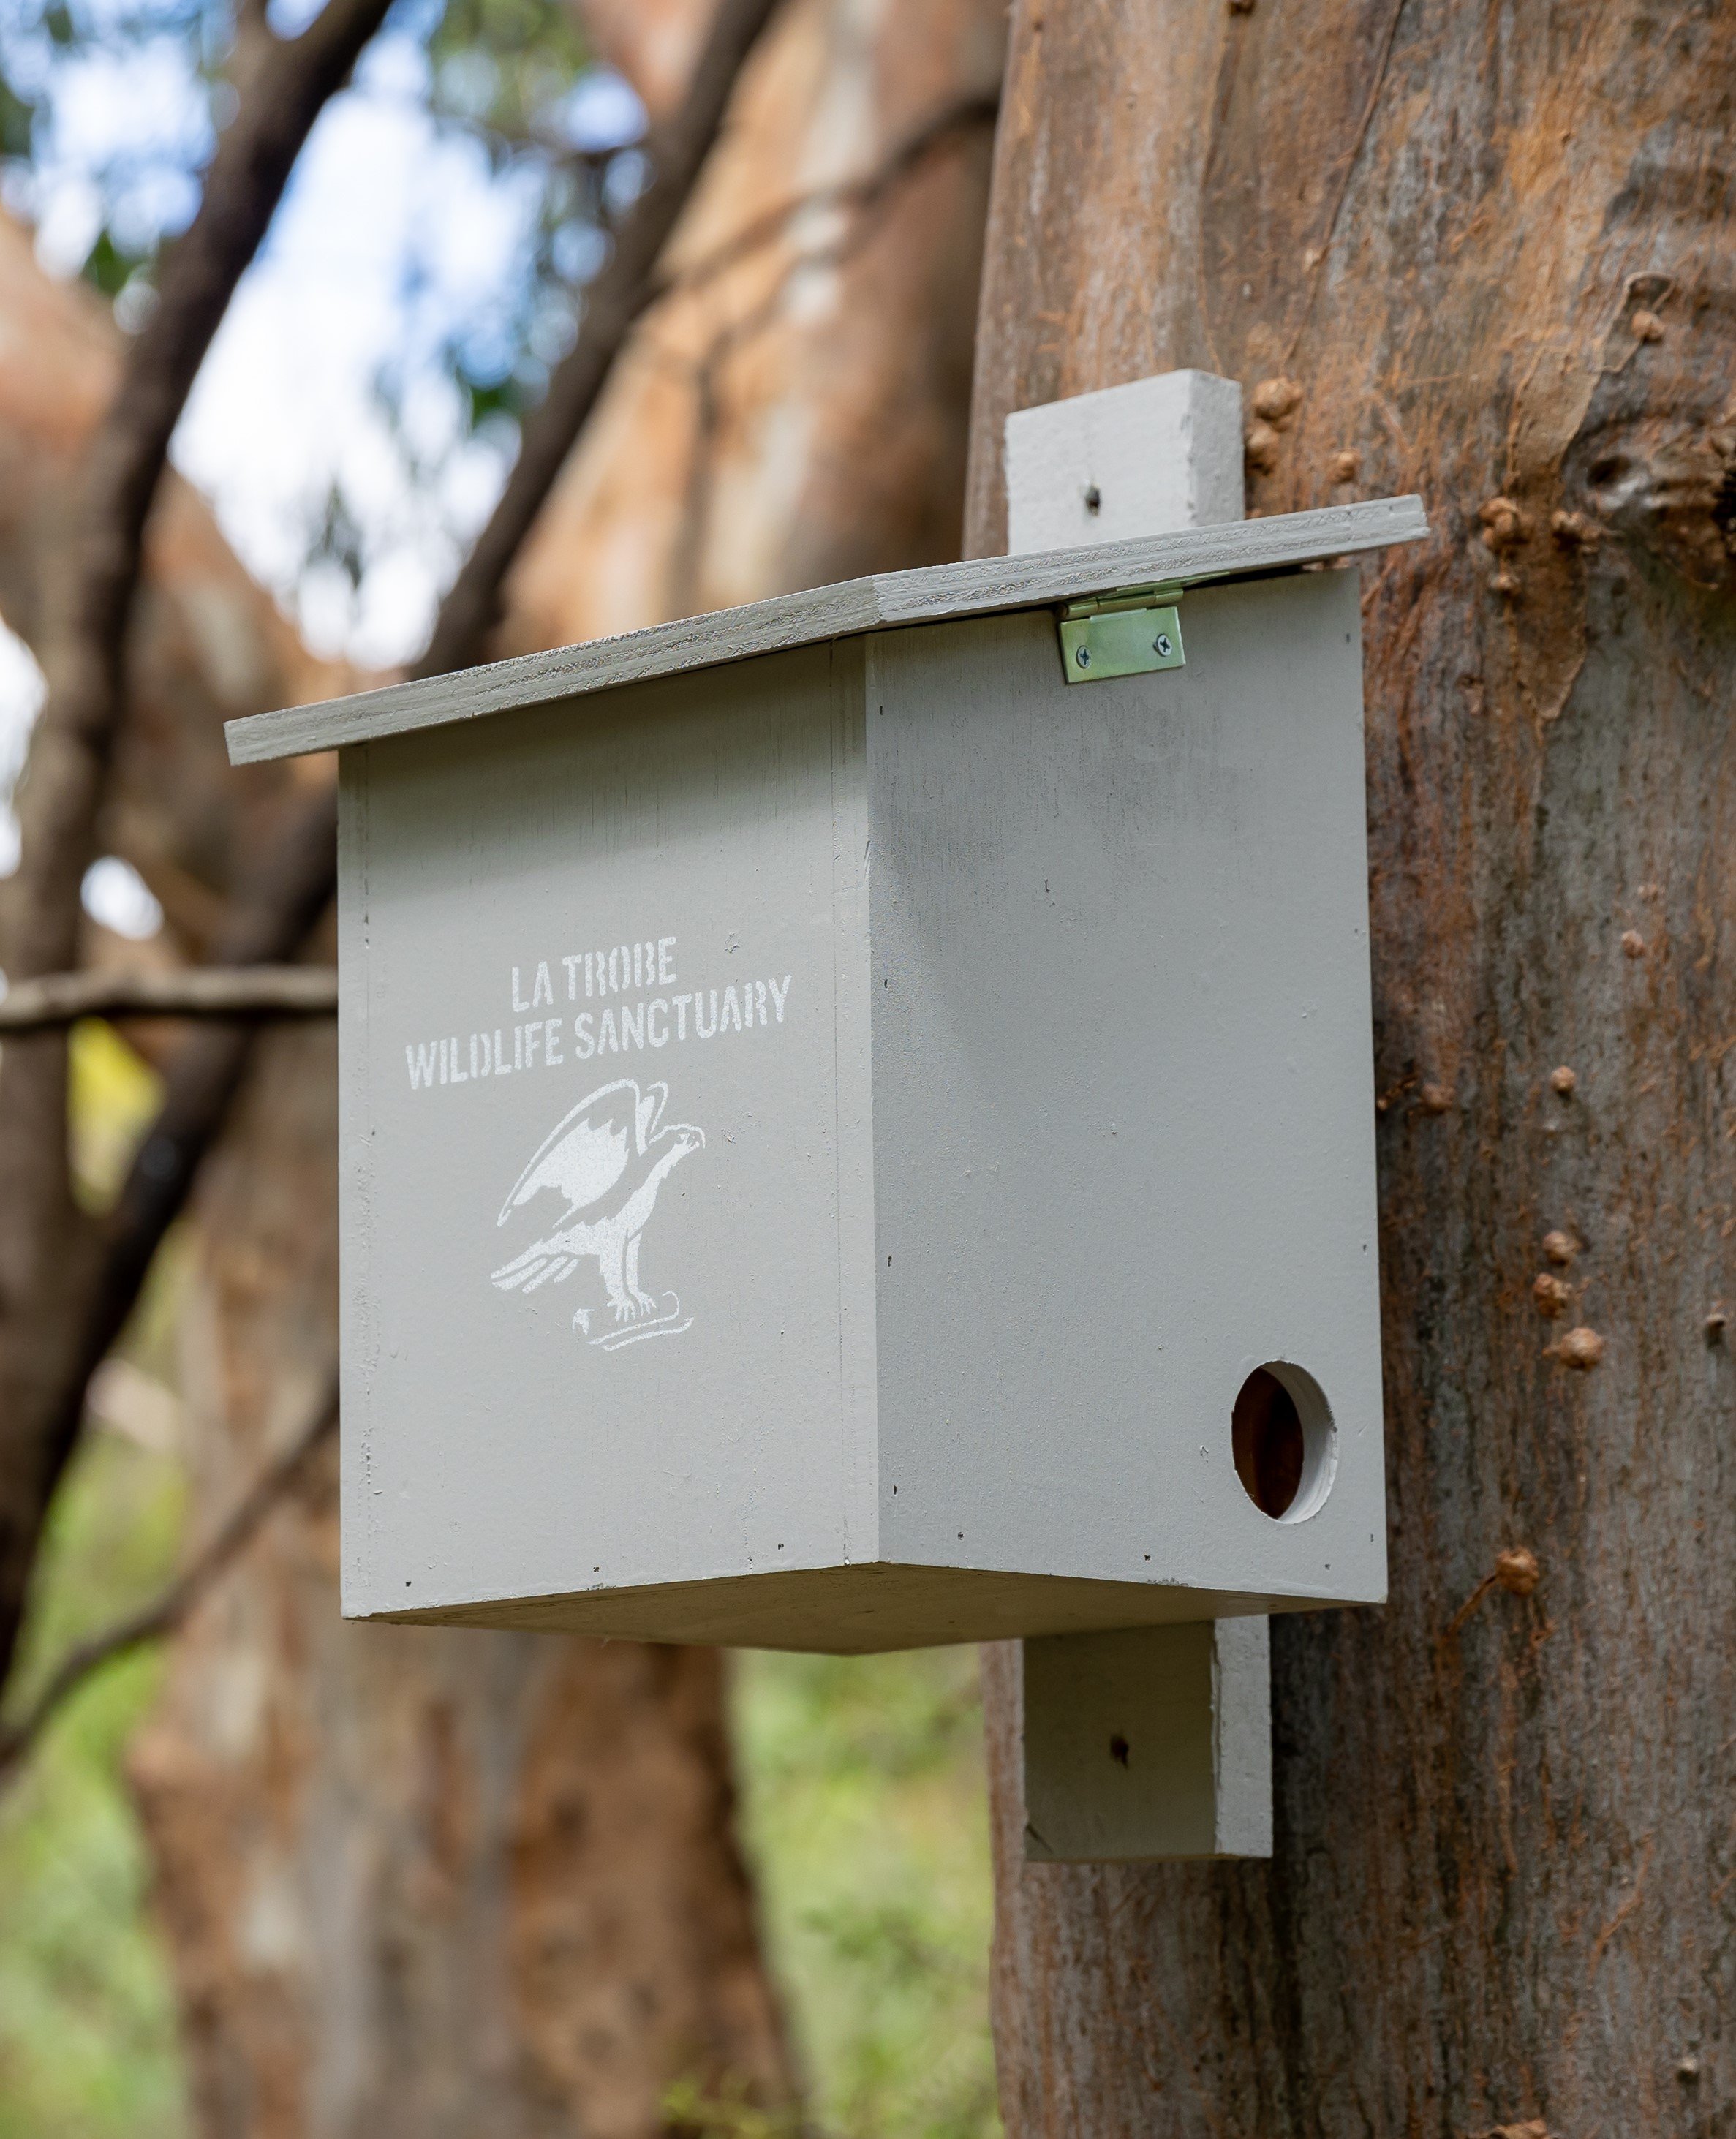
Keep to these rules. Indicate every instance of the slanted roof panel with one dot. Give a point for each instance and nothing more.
(931, 595)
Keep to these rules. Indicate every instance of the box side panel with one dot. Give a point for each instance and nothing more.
(357, 1340)
(1123, 1094)
(600, 970)
(853, 1142)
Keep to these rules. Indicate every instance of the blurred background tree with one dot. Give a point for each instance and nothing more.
(423, 1881)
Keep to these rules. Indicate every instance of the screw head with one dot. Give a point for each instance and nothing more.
(1083, 655)
(1162, 644)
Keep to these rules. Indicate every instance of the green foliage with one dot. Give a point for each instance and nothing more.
(505, 65)
(18, 121)
(502, 70)
(115, 1094)
(109, 266)
(865, 1817)
(87, 2025)
(87, 2028)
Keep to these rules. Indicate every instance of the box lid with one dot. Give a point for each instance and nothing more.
(932, 594)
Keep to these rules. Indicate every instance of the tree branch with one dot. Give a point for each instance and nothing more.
(273, 918)
(294, 889)
(46, 1248)
(166, 1612)
(613, 302)
(214, 991)
(857, 195)
(60, 797)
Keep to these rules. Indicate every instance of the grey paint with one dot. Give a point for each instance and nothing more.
(932, 594)
(1150, 457)
(1075, 1031)
(1131, 1752)
(1144, 459)
(1122, 1091)
(491, 1450)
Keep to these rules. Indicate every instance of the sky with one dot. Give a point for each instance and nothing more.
(399, 236)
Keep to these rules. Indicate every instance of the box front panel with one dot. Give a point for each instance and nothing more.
(596, 959)
(1124, 1105)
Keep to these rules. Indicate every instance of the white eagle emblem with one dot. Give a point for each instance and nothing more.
(607, 1158)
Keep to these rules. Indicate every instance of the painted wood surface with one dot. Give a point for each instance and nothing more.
(1151, 458)
(808, 1128)
(1121, 1093)
(1145, 458)
(930, 594)
(1132, 1752)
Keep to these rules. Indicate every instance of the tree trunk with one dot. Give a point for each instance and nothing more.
(417, 1880)
(802, 416)
(431, 1882)
(1492, 248)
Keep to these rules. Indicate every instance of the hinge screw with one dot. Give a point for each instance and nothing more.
(1161, 644)
(1082, 656)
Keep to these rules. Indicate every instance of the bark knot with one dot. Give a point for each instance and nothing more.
(1262, 446)
(1516, 1570)
(1504, 527)
(1276, 401)
(1575, 531)
(1581, 1349)
(1553, 1297)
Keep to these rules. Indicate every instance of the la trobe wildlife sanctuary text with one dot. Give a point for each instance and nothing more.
(585, 1006)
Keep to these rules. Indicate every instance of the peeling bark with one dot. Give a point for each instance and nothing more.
(1492, 250)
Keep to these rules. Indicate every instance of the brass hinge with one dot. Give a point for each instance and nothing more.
(1130, 633)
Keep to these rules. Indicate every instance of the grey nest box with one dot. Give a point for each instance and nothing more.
(858, 1111)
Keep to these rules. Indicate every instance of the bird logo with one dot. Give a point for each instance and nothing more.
(609, 1159)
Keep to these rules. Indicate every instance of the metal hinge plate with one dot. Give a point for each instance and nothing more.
(1130, 633)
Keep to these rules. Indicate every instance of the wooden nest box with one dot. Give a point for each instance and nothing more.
(857, 1124)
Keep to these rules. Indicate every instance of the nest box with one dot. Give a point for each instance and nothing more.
(858, 1111)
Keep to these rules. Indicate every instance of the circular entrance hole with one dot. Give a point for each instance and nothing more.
(1282, 1438)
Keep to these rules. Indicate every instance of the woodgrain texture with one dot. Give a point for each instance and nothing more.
(930, 595)
(1492, 249)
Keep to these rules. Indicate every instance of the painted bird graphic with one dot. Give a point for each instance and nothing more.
(608, 1159)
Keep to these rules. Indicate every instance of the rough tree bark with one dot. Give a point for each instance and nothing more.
(434, 1881)
(1492, 250)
